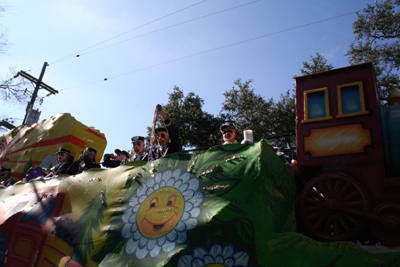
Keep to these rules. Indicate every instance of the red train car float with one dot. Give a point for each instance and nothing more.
(348, 152)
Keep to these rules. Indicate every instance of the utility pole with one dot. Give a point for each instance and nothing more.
(39, 85)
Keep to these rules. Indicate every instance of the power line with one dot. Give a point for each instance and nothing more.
(163, 17)
(76, 86)
(136, 37)
(169, 27)
(219, 48)
(17, 109)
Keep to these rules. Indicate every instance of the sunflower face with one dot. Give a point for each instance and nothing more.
(160, 212)
(217, 256)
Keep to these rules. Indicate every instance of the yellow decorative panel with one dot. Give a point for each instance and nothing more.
(348, 139)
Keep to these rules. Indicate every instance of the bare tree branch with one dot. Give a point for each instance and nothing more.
(14, 89)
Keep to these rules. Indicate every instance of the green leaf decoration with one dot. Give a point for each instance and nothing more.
(113, 248)
(213, 206)
(89, 221)
(245, 229)
(28, 165)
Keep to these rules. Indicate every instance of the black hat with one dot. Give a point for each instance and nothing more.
(161, 129)
(125, 153)
(91, 149)
(64, 150)
(119, 151)
(137, 139)
(5, 170)
(229, 125)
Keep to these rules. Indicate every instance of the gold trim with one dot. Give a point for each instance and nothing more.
(352, 114)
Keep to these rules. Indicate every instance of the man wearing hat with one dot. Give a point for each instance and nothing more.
(228, 130)
(64, 161)
(88, 156)
(167, 138)
(5, 177)
(112, 161)
(138, 145)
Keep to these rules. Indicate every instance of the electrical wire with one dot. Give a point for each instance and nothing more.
(219, 48)
(141, 26)
(75, 55)
(169, 27)
(76, 86)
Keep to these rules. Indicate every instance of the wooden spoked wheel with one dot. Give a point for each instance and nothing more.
(333, 207)
(386, 227)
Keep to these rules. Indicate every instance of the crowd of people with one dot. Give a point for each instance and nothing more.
(167, 141)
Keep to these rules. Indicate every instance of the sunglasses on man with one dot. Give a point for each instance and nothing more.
(137, 143)
(225, 132)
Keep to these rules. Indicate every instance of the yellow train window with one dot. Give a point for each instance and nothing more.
(351, 101)
(316, 105)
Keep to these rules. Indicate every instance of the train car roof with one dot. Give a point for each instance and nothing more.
(334, 70)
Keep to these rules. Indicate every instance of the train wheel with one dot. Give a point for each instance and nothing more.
(387, 226)
(332, 207)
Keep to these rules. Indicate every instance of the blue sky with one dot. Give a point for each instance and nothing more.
(146, 47)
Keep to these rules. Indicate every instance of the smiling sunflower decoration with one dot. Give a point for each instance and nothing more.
(218, 256)
(160, 213)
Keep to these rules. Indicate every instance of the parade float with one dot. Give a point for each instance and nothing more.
(30, 146)
(348, 153)
(231, 205)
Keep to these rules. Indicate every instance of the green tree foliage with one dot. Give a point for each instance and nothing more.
(284, 123)
(316, 64)
(248, 110)
(197, 128)
(274, 121)
(377, 30)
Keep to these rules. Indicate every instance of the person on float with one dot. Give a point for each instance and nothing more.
(228, 130)
(167, 138)
(138, 146)
(88, 156)
(114, 160)
(64, 159)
